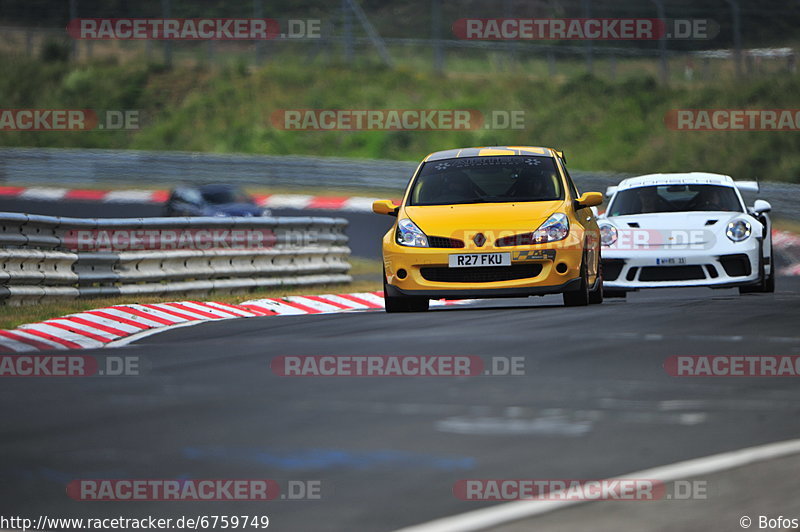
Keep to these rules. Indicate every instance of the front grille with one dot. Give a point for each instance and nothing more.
(736, 265)
(522, 239)
(672, 273)
(612, 268)
(481, 274)
(444, 242)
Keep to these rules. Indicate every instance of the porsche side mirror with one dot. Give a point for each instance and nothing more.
(761, 206)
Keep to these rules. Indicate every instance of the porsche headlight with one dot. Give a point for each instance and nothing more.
(738, 230)
(408, 234)
(553, 229)
(608, 234)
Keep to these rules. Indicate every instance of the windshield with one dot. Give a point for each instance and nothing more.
(225, 195)
(675, 198)
(502, 179)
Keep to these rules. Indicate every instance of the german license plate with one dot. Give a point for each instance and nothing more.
(671, 261)
(469, 260)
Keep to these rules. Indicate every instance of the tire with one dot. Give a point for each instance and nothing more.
(579, 297)
(769, 285)
(766, 285)
(615, 293)
(394, 304)
(596, 295)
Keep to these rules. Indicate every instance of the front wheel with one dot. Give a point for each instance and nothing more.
(766, 283)
(596, 295)
(769, 285)
(615, 293)
(394, 304)
(579, 297)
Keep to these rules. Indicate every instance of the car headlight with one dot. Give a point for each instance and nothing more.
(408, 234)
(608, 234)
(738, 230)
(553, 229)
(266, 212)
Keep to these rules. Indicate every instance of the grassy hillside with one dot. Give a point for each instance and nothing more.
(602, 125)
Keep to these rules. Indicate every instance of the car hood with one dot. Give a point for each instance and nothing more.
(492, 219)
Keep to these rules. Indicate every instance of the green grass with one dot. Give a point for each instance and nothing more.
(601, 124)
(792, 226)
(366, 274)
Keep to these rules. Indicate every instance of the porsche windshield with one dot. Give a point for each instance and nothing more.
(675, 198)
(503, 179)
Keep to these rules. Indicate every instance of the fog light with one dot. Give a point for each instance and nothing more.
(561, 267)
(402, 274)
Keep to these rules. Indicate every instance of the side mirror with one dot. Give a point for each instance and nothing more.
(385, 207)
(589, 199)
(610, 191)
(761, 206)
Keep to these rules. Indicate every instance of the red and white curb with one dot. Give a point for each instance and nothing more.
(787, 245)
(274, 201)
(104, 326)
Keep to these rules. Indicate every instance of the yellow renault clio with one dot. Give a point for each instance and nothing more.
(491, 222)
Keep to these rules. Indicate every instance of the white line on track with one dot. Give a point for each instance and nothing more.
(514, 511)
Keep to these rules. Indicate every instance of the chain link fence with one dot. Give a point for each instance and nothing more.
(422, 35)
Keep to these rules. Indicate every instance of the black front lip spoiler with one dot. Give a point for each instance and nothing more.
(486, 293)
(732, 284)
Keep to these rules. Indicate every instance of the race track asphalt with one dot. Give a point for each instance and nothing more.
(594, 401)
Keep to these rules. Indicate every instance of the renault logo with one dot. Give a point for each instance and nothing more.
(479, 239)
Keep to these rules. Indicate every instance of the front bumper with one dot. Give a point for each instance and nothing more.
(555, 268)
(733, 265)
(525, 291)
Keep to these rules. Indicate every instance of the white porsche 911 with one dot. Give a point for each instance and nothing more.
(693, 229)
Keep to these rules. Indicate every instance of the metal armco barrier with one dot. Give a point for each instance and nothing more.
(47, 257)
(40, 166)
